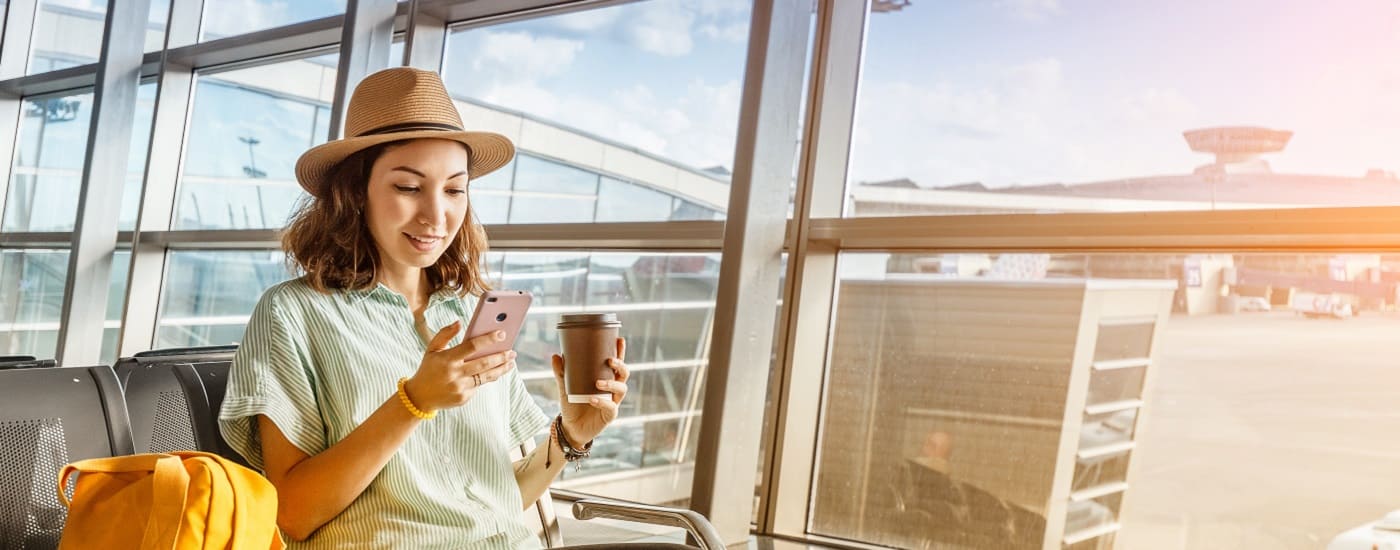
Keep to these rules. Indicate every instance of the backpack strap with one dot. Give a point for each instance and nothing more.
(169, 483)
(254, 505)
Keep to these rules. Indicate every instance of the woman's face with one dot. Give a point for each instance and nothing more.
(417, 201)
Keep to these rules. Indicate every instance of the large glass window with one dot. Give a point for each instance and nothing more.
(31, 301)
(68, 33)
(208, 295)
(247, 130)
(230, 17)
(666, 304)
(48, 163)
(993, 107)
(665, 120)
(985, 400)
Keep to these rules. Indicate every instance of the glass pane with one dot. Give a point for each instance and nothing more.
(621, 201)
(952, 377)
(48, 163)
(224, 18)
(246, 132)
(665, 120)
(208, 295)
(48, 167)
(69, 33)
(1033, 107)
(665, 302)
(31, 301)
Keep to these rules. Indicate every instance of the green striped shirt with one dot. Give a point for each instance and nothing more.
(319, 364)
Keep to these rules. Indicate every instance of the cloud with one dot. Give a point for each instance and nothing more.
(661, 28)
(1031, 10)
(230, 17)
(519, 56)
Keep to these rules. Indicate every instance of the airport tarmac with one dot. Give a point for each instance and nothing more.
(1267, 430)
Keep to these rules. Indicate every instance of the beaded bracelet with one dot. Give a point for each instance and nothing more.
(408, 403)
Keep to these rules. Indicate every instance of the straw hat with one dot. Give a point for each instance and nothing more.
(399, 104)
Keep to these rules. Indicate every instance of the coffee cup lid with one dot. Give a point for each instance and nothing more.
(573, 320)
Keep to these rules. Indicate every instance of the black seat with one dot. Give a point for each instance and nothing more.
(51, 417)
(30, 363)
(174, 355)
(205, 384)
(174, 395)
(162, 418)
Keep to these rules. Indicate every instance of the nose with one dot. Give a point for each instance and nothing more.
(432, 212)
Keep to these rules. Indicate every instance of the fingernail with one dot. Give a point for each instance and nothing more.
(512, 354)
(595, 401)
(602, 385)
(500, 335)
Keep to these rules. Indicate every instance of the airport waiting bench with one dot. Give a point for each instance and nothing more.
(168, 400)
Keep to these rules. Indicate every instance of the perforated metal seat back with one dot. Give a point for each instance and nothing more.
(50, 417)
(161, 420)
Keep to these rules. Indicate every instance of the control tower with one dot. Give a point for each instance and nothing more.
(1237, 148)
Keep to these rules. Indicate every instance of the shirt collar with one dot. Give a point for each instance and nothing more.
(384, 292)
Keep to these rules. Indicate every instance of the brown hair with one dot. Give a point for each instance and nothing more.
(329, 240)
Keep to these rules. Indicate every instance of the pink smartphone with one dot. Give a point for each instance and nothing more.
(498, 310)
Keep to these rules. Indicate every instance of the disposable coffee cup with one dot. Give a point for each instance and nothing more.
(589, 340)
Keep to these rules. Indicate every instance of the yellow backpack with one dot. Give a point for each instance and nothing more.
(182, 500)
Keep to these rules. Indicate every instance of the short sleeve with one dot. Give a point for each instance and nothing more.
(526, 418)
(272, 376)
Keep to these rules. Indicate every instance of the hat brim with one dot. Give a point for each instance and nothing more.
(487, 152)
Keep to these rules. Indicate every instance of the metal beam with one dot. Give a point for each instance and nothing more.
(365, 42)
(14, 56)
(811, 277)
(145, 274)
(425, 37)
(104, 174)
(659, 236)
(742, 341)
(1369, 229)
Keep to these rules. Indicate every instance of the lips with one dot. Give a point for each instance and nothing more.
(423, 243)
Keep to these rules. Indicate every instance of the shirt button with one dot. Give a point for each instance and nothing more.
(446, 460)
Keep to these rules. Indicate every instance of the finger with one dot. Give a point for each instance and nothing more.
(617, 389)
(444, 336)
(604, 405)
(492, 375)
(620, 372)
(622, 349)
(557, 361)
(483, 364)
(470, 346)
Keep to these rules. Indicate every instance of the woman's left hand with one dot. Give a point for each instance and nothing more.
(584, 421)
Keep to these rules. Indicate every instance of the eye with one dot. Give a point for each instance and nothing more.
(405, 188)
(456, 191)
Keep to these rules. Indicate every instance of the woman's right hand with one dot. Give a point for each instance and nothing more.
(447, 378)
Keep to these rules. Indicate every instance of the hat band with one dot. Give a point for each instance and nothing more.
(411, 126)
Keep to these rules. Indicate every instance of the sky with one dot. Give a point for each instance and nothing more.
(1038, 91)
(1002, 92)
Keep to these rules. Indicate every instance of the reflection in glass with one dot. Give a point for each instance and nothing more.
(246, 132)
(48, 163)
(68, 33)
(208, 295)
(665, 303)
(664, 121)
(1006, 375)
(223, 18)
(31, 301)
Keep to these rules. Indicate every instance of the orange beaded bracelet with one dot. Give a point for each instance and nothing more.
(408, 403)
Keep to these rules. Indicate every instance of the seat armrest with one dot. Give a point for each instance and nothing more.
(699, 528)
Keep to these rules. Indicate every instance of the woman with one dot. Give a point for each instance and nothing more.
(351, 389)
